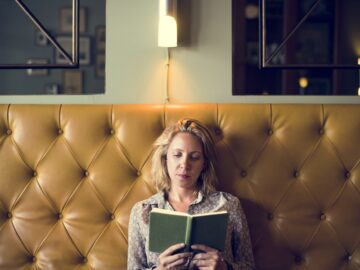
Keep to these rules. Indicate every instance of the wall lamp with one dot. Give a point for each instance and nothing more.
(358, 61)
(167, 35)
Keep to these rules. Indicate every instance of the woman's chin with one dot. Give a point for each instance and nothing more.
(188, 184)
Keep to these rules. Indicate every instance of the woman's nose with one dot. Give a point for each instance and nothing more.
(185, 162)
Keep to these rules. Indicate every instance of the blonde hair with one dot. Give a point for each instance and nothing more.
(207, 179)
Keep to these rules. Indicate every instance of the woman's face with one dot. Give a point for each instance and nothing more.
(185, 160)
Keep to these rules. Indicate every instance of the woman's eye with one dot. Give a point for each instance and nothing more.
(195, 158)
(177, 155)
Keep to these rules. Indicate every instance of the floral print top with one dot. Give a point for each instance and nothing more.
(237, 252)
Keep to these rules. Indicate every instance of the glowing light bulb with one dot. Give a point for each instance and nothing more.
(303, 82)
(167, 35)
(359, 77)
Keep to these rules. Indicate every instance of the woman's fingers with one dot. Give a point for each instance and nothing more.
(170, 250)
(176, 260)
(169, 260)
(203, 248)
(209, 258)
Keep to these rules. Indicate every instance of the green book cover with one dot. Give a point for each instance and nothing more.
(170, 227)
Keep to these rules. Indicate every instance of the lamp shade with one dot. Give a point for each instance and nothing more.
(167, 35)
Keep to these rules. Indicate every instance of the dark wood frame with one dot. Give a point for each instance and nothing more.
(293, 26)
(288, 71)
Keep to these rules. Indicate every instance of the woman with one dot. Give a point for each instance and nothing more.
(183, 170)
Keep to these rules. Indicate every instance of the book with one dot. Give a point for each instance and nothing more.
(170, 227)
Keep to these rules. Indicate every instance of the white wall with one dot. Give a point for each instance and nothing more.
(200, 72)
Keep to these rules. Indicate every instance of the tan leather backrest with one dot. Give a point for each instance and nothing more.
(69, 175)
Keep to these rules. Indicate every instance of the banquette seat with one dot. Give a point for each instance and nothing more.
(69, 175)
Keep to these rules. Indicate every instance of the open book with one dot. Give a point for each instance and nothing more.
(170, 227)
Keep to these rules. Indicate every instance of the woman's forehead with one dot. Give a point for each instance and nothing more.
(186, 141)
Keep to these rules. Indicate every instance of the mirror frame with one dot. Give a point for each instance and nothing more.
(265, 62)
(73, 60)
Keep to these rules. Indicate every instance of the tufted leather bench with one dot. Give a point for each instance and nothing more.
(69, 175)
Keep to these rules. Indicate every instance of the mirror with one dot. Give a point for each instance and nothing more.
(22, 42)
(309, 47)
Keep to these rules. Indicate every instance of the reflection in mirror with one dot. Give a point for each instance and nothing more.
(21, 42)
(327, 36)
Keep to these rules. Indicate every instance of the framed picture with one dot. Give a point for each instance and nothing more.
(66, 43)
(73, 82)
(37, 72)
(100, 38)
(66, 20)
(100, 65)
(40, 38)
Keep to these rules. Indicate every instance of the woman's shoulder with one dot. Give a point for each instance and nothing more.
(228, 202)
(222, 195)
(141, 209)
(152, 201)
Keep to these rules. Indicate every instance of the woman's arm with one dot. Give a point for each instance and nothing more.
(241, 243)
(137, 259)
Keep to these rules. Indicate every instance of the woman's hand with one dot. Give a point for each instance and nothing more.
(169, 260)
(211, 259)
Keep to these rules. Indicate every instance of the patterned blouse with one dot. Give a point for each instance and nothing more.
(237, 252)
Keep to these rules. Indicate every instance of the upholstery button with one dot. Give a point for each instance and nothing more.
(112, 132)
(9, 132)
(60, 131)
(86, 173)
(298, 259)
(33, 259)
(9, 215)
(138, 173)
(59, 216)
(270, 216)
(84, 260)
(322, 216)
(349, 257)
(270, 131)
(347, 175)
(321, 131)
(217, 131)
(296, 174)
(243, 173)
(34, 174)
(112, 216)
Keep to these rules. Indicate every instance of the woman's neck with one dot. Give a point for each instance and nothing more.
(182, 195)
(180, 199)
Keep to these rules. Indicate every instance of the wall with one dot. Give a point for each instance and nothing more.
(201, 71)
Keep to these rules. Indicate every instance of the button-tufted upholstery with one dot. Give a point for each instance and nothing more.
(69, 175)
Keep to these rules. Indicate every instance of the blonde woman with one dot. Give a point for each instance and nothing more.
(183, 170)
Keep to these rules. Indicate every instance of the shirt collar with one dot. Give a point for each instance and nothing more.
(158, 200)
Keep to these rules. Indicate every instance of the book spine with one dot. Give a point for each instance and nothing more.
(188, 234)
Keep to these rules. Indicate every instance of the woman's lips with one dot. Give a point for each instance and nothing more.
(183, 176)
